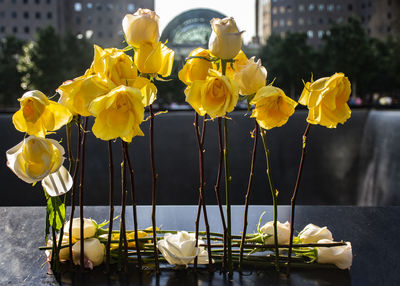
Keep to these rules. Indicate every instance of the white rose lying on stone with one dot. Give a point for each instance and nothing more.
(283, 230)
(93, 252)
(180, 249)
(312, 234)
(341, 256)
(89, 228)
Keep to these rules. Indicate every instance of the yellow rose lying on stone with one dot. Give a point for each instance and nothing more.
(154, 58)
(225, 40)
(326, 99)
(251, 77)
(118, 114)
(114, 65)
(38, 114)
(35, 159)
(272, 107)
(215, 96)
(129, 236)
(141, 27)
(196, 68)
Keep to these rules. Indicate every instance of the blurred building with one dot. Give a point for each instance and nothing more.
(97, 20)
(316, 17)
(189, 30)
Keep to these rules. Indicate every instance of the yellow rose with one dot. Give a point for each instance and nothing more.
(196, 68)
(36, 159)
(272, 107)
(326, 99)
(141, 27)
(239, 61)
(154, 58)
(93, 251)
(114, 65)
(225, 40)
(216, 95)
(118, 114)
(38, 114)
(251, 77)
(77, 94)
(147, 88)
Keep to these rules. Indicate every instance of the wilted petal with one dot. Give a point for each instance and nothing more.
(57, 183)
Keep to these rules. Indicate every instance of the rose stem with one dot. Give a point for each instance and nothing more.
(135, 223)
(274, 194)
(293, 200)
(196, 229)
(200, 143)
(228, 199)
(216, 188)
(122, 235)
(70, 167)
(227, 186)
(246, 205)
(111, 202)
(154, 187)
(74, 178)
(82, 177)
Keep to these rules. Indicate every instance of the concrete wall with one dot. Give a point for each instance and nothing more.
(342, 165)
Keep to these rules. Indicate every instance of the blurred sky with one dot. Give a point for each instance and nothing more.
(242, 11)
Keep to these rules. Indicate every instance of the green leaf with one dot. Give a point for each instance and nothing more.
(55, 213)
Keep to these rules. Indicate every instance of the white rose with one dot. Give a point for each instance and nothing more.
(180, 249)
(251, 77)
(63, 253)
(40, 159)
(341, 256)
(283, 232)
(141, 27)
(225, 40)
(93, 251)
(89, 228)
(312, 233)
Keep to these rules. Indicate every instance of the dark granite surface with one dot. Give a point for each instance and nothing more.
(373, 231)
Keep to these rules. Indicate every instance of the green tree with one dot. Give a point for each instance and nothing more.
(51, 60)
(289, 59)
(10, 77)
(348, 50)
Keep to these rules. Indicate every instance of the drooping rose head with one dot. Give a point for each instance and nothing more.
(141, 27)
(326, 99)
(225, 40)
(272, 107)
(34, 158)
(38, 114)
(77, 94)
(341, 256)
(118, 114)
(251, 77)
(196, 68)
(216, 95)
